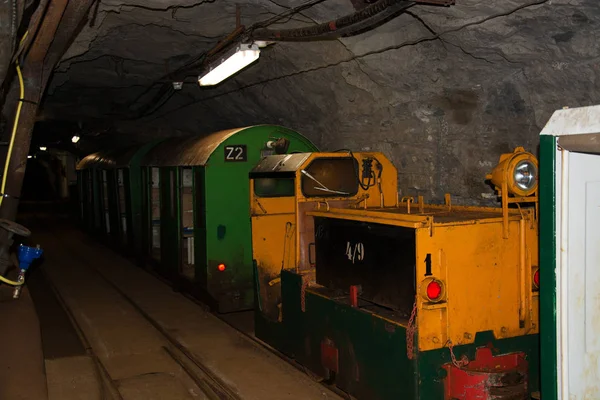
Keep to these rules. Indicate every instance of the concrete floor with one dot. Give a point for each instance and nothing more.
(127, 335)
(22, 374)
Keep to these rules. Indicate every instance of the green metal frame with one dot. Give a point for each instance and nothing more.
(129, 240)
(548, 341)
(169, 222)
(113, 207)
(135, 189)
(99, 223)
(200, 237)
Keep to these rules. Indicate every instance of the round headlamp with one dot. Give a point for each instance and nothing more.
(525, 175)
(518, 170)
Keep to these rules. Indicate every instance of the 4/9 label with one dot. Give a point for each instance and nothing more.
(355, 251)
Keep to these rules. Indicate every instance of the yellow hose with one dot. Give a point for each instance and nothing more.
(12, 283)
(10, 146)
(14, 131)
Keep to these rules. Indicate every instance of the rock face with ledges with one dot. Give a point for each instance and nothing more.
(442, 91)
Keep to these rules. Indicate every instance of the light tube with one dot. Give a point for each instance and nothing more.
(244, 55)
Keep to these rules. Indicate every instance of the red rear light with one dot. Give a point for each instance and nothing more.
(221, 267)
(536, 278)
(434, 290)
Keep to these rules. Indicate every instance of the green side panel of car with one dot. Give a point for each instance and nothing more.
(113, 207)
(169, 222)
(128, 240)
(99, 224)
(548, 267)
(200, 226)
(137, 199)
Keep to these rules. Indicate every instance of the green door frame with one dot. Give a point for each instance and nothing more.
(169, 222)
(548, 340)
(200, 252)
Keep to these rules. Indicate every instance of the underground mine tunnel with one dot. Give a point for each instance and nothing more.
(299, 199)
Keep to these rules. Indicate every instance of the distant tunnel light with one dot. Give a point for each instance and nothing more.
(75, 139)
(43, 148)
(29, 156)
(229, 64)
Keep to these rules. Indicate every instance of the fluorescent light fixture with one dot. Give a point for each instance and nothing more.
(43, 148)
(231, 62)
(29, 156)
(75, 139)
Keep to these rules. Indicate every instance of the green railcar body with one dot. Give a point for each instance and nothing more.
(218, 165)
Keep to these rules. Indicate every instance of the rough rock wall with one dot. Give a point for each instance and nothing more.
(442, 91)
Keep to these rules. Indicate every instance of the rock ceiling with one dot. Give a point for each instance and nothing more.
(442, 90)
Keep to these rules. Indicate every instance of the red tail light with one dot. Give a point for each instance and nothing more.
(221, 267)
(536, 278)
(434, 290)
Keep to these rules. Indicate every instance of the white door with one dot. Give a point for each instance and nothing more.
(578, 275)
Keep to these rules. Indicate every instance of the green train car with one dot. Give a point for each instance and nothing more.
(182, 206)
(109, 184)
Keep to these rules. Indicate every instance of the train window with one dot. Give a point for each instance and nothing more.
(274, 187)
(330, 177)
(155, 213)
(187, 223)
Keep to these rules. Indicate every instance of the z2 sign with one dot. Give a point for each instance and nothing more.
(236, 153)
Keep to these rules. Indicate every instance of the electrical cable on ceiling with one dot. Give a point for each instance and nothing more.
(165, 94)
(357, 56)
(360, 21)
(201, 57)
(288, 13)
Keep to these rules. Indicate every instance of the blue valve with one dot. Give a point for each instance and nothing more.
(27, 255)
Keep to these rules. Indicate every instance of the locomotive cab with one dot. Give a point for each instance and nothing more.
(283, 188)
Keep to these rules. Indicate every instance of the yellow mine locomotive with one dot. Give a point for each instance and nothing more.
(392, 298)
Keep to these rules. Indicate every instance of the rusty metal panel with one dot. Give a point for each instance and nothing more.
(280, 163)
(187, 151)
(109, 159)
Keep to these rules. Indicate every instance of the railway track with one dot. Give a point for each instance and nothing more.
(209, 384)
